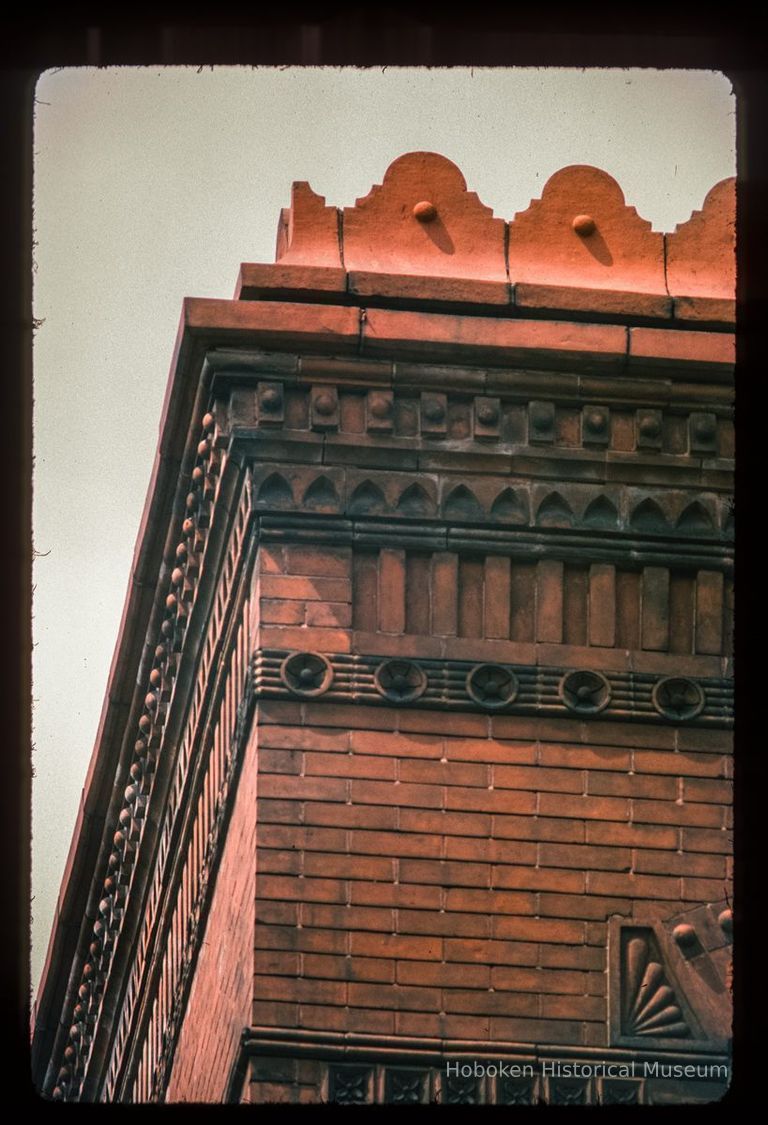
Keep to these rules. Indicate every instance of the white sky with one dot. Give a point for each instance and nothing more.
(155, 184)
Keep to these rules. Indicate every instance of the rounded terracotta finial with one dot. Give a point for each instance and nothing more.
(684, 935)
(650, 426)
(325, 404)
(434, 410)
(596, 420)
(271, 398)
(425, 211)
(584, 225)
(725, 918)
(381, 406)
(705, 428)
(487, 414)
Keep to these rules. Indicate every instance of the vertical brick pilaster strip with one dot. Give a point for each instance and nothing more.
(575, 604)
(655, 609)
(365, 595)
(602, 605)
(418, 583)
(709, 612)
(682, 592)
(549, 602)
(496, 606)
(270, 560)
(728, 617)
(627, 609)
(470, 612)
(523, 601)
(391, 591)
(445, 582)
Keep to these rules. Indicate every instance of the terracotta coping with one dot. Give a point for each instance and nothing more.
(421, 235)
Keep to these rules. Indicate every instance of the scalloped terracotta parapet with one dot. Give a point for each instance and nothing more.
(420, 236)
(308, 230)
(701, 252)
(581, 234)
(422, 221)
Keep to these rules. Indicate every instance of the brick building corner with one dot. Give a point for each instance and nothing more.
(412, 782)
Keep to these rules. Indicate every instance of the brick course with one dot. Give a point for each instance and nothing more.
(434, 884)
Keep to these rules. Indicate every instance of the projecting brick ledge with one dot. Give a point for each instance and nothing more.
(339, 329)
(321, 284)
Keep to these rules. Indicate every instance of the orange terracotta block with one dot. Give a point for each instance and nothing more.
(582, 234)
(422, 220)
(701, 252)
(308, 231)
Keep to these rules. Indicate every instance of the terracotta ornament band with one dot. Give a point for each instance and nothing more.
(460, 685)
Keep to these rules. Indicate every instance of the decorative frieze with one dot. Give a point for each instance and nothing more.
(457, 684)
(369, 1077)
(149, 744)
(682, 518)
(399, 417)
(184, 763)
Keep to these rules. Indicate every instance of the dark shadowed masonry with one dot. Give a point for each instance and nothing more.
(412, 779)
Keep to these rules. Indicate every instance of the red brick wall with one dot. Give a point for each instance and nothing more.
(422, 874)
(428, 873)
(220, 996)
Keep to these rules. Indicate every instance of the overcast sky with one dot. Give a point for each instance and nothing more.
(155, 184)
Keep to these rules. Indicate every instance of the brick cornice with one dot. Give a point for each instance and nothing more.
(329, 1044)
(320, 285)
(517, 341)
